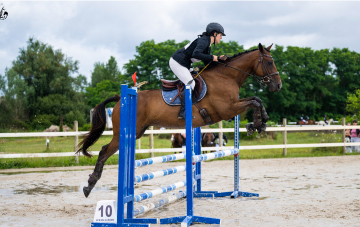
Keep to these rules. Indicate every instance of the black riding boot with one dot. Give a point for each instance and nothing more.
(182, 108)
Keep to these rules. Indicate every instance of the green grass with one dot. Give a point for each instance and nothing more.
(66, 144)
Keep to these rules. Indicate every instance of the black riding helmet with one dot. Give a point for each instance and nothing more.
(215, 27)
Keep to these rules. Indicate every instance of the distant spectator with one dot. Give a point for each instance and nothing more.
(348, 139)
(354, 133)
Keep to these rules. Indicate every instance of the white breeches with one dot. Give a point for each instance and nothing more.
(181, 72)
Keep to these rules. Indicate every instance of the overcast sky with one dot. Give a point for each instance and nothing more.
(94, 31)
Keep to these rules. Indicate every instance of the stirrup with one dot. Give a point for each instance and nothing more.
(181, 115)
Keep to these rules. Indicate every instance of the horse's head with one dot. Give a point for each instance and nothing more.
(265, 69)
(208, 139)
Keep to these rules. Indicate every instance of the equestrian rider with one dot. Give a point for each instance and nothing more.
(195, 51)
(302, 118)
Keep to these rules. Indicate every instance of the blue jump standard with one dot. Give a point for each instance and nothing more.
(189, 218)
(233, 194)
(127, 163)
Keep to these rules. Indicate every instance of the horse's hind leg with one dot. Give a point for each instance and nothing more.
(104, 154)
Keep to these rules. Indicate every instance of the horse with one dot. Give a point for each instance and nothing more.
(223, 78)
(176, 140)
(208, 140)
(309, 122)
(323, 122)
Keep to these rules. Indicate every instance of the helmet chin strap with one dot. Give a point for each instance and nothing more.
(215, 37)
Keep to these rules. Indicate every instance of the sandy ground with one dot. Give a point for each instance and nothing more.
(293, 192)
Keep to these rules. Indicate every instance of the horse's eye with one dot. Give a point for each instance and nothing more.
(270, 63)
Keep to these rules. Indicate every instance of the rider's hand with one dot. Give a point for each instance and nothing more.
(223, 57)
(215, 58)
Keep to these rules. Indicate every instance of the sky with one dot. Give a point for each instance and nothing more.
(93, 31)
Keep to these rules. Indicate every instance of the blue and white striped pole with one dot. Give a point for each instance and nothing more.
(151, 161)
(159, 203)
(214, 155)
(159, 191)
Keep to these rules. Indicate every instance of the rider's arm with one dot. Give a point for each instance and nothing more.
(202, 44)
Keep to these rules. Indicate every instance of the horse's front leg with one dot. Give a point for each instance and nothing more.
(260, 115)
(264, 115)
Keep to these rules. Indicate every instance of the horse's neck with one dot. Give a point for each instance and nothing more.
(243, 62)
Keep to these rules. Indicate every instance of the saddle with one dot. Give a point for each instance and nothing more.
(172, 89)
(169, 85)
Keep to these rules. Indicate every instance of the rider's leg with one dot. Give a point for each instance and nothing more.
(184, 75)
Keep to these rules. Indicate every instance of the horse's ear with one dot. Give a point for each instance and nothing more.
(269, 47)
(261, 48)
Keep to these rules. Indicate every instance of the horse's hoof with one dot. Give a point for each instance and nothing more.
(262, 128)
(250, 129)
(86, 191)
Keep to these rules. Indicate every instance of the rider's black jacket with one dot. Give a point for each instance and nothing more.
(199, 49)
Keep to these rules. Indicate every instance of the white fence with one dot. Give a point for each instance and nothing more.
(284, 128)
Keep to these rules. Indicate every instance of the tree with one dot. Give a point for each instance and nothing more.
(102, 91)
(353, 103)
(151, 62)
(108, 71)
(346, 72)
(38, 80)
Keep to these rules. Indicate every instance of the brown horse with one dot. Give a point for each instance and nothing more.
(221, 101)
(176, 141)
(207, 140)
(310, 122)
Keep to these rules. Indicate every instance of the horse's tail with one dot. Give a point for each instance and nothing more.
(97, 126)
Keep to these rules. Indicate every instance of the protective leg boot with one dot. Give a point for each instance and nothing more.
(182, 108)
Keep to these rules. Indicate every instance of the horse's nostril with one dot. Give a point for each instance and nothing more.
(279, 86)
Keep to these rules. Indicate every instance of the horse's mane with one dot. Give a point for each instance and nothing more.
(213, 64)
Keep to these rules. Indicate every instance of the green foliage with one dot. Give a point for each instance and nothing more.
(72, 116)
(39, 87)
(43, 121)
(85, 127)
(151, 62)
(350, 118)
(102, 91)
(41, 84)
(353, 102)
(109, 71)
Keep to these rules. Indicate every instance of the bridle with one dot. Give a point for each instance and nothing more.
(261, 80)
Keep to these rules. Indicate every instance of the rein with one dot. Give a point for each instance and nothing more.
(261, 80)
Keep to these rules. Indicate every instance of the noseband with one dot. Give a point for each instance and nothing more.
(261, 80)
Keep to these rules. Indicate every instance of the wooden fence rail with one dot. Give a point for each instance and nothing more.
(284, 128)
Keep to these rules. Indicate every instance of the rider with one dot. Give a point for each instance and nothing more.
(302, 118)
(195, 51)
(325, 119)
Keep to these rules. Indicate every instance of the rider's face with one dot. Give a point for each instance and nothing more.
(218, 38)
